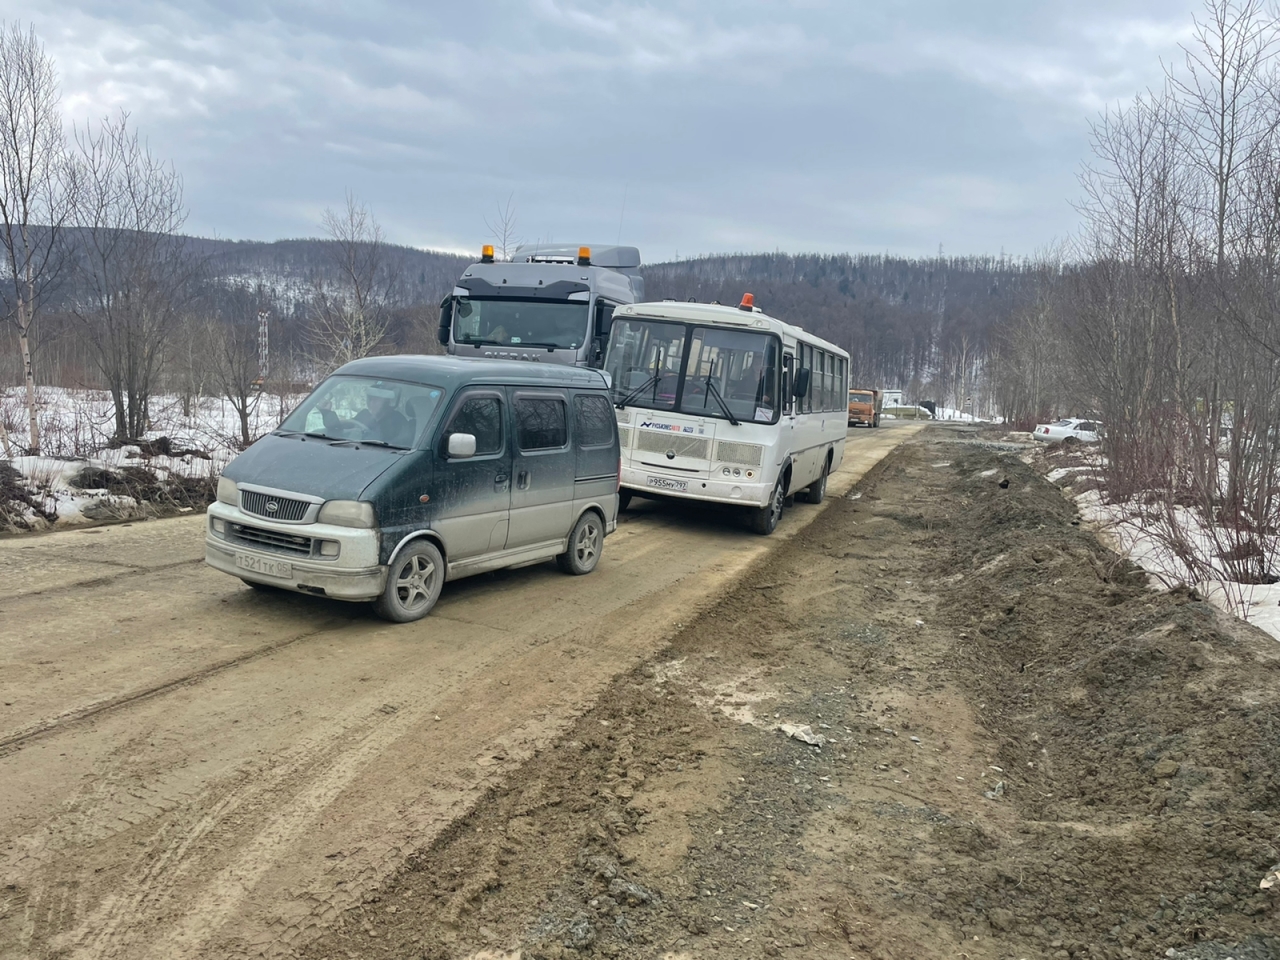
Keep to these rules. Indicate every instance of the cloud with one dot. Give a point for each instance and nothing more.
(809, 124)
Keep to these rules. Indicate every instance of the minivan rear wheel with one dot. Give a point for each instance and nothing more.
(414, 580)
(585, 545)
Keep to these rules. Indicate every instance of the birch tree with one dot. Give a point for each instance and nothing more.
(37, 190)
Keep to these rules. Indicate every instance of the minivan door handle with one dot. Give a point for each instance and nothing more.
(501, 480)
(522, 479)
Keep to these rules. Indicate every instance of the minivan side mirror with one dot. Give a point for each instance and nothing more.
(802, 382)
(462, 446)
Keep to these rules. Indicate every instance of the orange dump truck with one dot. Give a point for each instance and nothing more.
(864, 407)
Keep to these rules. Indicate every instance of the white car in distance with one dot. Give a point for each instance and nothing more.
(1071, 428)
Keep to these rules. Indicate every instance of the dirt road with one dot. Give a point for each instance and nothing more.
(189, 768)
(1025, 753)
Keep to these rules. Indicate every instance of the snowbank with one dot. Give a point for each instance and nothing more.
(1134, 534)
(82, 477)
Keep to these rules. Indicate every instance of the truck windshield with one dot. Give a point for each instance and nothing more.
(860, 398)
(364, 410)
(644, 362)
(557, 324)
(731, 375)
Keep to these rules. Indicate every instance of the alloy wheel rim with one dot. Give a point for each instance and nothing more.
(414, 582)
(587, 547)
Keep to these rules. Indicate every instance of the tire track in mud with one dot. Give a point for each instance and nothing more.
(14, 742)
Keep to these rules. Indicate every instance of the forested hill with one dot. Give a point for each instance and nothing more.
(915, 324)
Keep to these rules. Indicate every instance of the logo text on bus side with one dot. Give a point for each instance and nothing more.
(673, 427)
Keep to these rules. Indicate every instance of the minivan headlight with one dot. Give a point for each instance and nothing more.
(228, 492)
(347, 513)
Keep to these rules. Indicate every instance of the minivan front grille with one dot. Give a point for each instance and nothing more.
(274, 508)
(270, 540)
(747, 454)
(653, 441)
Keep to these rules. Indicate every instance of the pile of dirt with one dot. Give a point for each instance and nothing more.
(943, 721)
(17, 505)
(142, 486)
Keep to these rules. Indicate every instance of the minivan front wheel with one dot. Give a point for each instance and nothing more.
(413, 585)
(585, 545)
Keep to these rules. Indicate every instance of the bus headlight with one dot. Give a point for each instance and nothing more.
(228, 493)
(347, 513)
(727, 471)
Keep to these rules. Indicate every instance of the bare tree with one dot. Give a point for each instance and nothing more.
(36, 194)
(351, 310)
(135, 270)
(230, 346)
(503, 228)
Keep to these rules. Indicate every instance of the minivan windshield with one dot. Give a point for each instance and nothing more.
(388, 413)
(508, 321)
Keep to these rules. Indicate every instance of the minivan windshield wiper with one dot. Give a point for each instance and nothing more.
(653, 381)
(715, 392)
(379, 443)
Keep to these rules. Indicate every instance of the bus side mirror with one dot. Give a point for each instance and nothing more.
(446, 320)
(801, 388)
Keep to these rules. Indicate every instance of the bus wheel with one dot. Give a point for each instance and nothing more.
(413, 586)
(765, 520)
(624, 500)
(816, 491)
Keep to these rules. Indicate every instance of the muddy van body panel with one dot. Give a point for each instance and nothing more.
(542, 458)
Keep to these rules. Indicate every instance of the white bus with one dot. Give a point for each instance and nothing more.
(725, 404)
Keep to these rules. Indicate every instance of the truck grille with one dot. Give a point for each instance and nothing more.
(270, 540)
(286, 510)
(653, 441)
(747, 454)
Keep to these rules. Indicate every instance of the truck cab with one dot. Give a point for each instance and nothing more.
(549, 304)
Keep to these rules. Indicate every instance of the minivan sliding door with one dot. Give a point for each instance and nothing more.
(542, 468)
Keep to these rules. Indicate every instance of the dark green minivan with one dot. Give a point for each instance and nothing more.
(399, 473)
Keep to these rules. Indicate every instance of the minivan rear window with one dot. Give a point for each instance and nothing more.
(540, 423)
(593, 421)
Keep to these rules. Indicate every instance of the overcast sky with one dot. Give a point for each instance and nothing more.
(725, 125)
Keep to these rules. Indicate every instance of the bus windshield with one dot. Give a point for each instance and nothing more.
(644, 362)
(731, 375)
(556, 324)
